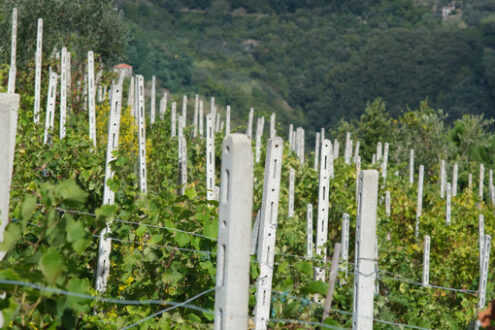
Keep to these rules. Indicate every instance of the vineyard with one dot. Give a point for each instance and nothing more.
(163, 239)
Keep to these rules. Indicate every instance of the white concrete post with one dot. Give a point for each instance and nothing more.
(484, 271)
(323, 198)
(481, 237)
(348, 147)
(443, 178)
(63, 92)
(358, 169)
(268, 230)
(317, 151)
(165, 105)
(50, 107)
(236, 207)
(322, 134)
(365, 251)
(309, 230)
(385, 162)
(217, 123)
(91, 99)
(255, 233)
(37, 75)
(291, 134)
(336, 149)
(227, 121)
(173, 130)
(297, 141)
(69, 72)
(105, 243)
(419, 198)
(210, 157)
(9, 109)
(292, 179)
(387, 203)
(249, 130)
(379, 148)
(490, 184)
(13, 54)
(179, 140)
(213, 109)
(100, 96)
(153, 100)
(356, 152)
(301, 147)
(201, 118)
(273, 131)
(470, 181)
(454, 179)
(259, 133)
(345, 242)
(143, 186)
(481, 182)
(196, 113)
(183, 165)
(373, 159)
(426, 261)
(411, 166)
(448, 204)
(130, 97)
(184, 109)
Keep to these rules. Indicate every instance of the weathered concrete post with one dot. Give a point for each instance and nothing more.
(426, 261)
(130, 96)
(454, 179)
(443, 178)
(249, 130)
(201, 118)
(292, 179)
(91, 98)
(217, 123)
(9, 109)
(322, 134)
(195, 118)
(419, 198)
(317, 151)
(210, 157)
(105, 243)
(236, 207)
(448, 204)
(348, 147)
(356, 152)
(183, 165)
(50, 107)
(227, 121)
(481, 237)
(365, 251)
(268, 230)
(13, 54)
(37, 75)
(143, 186)
(259, 134)
(173, 130)
(387, 203)
(153, 100)
(323, 198)
(484, 271)
(301, 147)
(184, 109)
(163, 105)
(309, 230)
(273, 131)
(291, 135)
(470, 181)
(345, 242)
(63, 92)
(385, 162)
(482, 181)
(411, 166)
(335, 149)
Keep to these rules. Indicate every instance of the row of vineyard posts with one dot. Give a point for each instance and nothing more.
(235, 194)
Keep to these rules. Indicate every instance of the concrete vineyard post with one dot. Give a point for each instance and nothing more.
(210, 157)
(130, 97)
(273, 131)
(481, 181)
(387, 203)
(292, 179)
(233, 261)
(143, 186)
(481, 236)
(63, 92)
(291, 134)
(348, 147)
(379, 148)
(173, 119)
(217, 123)
(301, 147)
(163, 106)
(470, 181)
(331, 281)
(195, 118)
(411, 166)
(259, 134)
(9, 109)
(105, 243)
(227, 121)
(183, 166)
(317, 151)
(385, 162)
(358, 169)
(426, 261)
(323, 198)
(373, 159)
(345, 242)
(91, 98)
(254, 234)
(484, 271)
(201, 118)
(490, 184)
(13, 54)
(336, 149)
(365, 251)
(50, 107)
(184, 110)
(309, 230)
(249, 130)
(455, 171)
(213, 109)
(448, 204)
(443, 178)
(356, 152)
(419, 198)
(153, 100)
(268, 227)
(37, 74)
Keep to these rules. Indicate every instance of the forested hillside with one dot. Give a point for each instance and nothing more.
(319, 61)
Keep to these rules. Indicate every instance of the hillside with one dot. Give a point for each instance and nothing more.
(320, 61)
